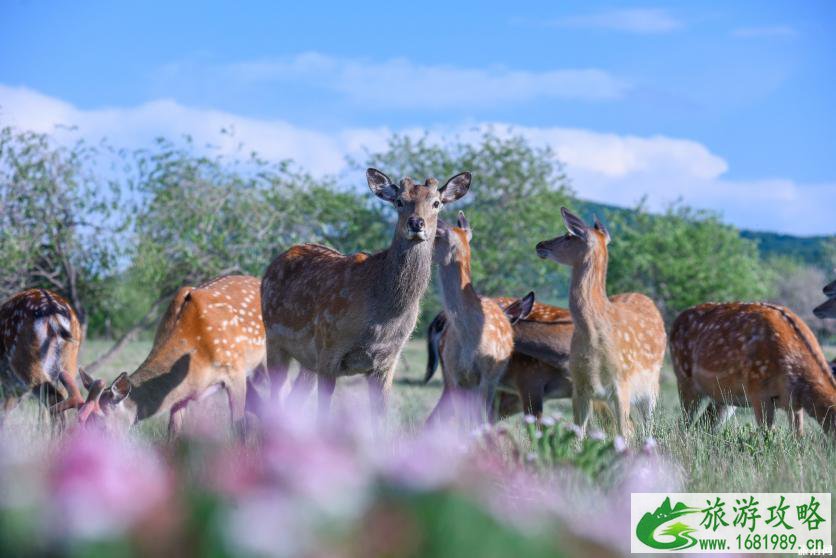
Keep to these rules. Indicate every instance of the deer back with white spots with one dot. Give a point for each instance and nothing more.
(211, 337)
(618, 343)
(479, 338)
(342, 314)
(751, 354)
(40, 336)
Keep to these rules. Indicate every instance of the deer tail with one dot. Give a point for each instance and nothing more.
(434, 333)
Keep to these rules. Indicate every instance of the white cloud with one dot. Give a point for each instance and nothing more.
(774, 31)
(634, 20)
(401, 84)
(611, 168)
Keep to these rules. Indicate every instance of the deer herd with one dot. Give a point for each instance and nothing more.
(341, 315)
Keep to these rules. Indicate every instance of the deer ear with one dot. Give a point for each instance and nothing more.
(381, 186)
(574, 224)
(830, 290)
(120, 387)
(455, 188)
(86, 379)
(465, 226)
(600, 227)
(520, 309)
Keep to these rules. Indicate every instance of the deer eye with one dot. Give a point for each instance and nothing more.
(436, 204)
(399, 202)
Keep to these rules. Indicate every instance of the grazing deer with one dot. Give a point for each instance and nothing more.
(758, 355)
(545, 331)
(618, 343)
(827, 309)
(340, 315)
(39, 340)
(210, 338)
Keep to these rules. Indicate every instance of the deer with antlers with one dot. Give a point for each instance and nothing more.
(758, 355)
(40, 336)
(538, 369)
(618, 343)
(210, 337)
(340, 315)
(479, 338)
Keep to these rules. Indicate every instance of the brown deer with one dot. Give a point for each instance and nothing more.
(40, 336)
(211, 337)
(340, 315)
(479, 338)
(544, 331)
(618, 343)
(827, 309)
(758, 355)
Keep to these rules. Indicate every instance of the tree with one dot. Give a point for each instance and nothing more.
(682, 258)
(56, 225)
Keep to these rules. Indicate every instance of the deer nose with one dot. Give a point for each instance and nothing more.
(415, 224)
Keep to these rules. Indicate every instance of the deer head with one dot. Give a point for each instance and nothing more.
(417, 204)
(452, 244)
(578, 244)
(107, 405)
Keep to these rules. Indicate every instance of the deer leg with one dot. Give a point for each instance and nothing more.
(324, 392)
(689, 400)
(379, 385)
(176, 418)
(764, 412)
(622, 413)
(278, 363)
(302, 387)
(582, 411)
(443, 411)
(236, 392)
(796, 416)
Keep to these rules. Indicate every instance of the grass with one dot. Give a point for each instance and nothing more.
(738, 458)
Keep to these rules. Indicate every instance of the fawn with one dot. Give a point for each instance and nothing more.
(618, 343)
(342, 315)
(40, 336)
(759, 355)
(210, 338)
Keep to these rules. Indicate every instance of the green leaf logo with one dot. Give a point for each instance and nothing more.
(681, 533)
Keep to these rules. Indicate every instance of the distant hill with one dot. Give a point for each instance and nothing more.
(807, 249)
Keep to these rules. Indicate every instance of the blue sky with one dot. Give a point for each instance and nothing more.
(728, 105)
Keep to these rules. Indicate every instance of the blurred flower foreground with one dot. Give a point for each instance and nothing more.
(294, 488)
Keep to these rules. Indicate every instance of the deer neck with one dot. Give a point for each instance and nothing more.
(154, 385)
(407, 266)
(588, 301)
(461, 302)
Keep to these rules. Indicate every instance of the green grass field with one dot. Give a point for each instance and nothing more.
(737, 458)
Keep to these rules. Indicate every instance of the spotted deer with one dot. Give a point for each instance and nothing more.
(479, 338)
(618, 343)
(538, 369)
(210, 337)
(341, 315)
(827, 309)
(40, 336)
(751, 354)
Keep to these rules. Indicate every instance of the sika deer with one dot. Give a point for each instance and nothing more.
(210, 338)
(342, 315)
(479, 339)
(758, 355)
(545, 331)
(39, 340)
(619, 343)
(827, 309)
